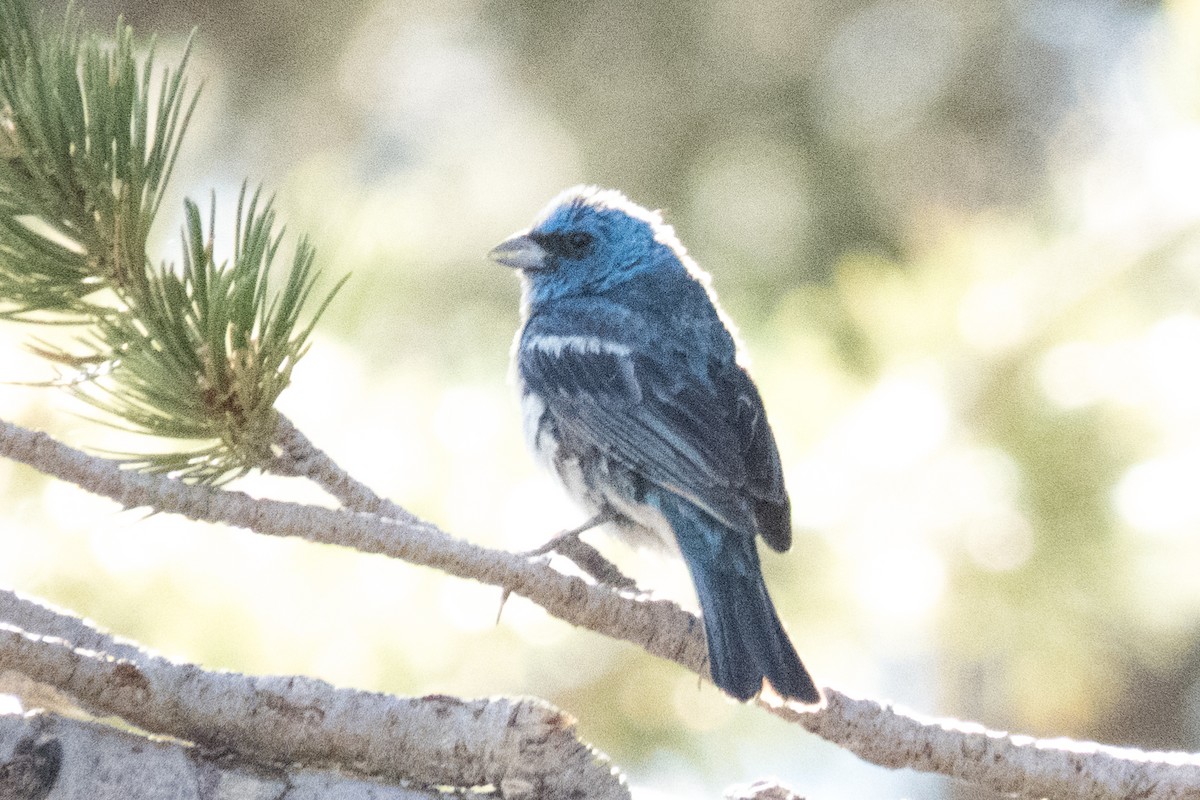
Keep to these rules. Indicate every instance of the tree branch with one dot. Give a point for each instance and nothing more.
(1010, 763)
(875, 732)
(525, 747)
(299, 457)
(659, 626)
(38, 616)
(95, 760)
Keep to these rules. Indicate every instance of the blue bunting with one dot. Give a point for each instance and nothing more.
(633, 395)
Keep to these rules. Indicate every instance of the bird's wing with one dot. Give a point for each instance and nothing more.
(703, 437)
(764, 470)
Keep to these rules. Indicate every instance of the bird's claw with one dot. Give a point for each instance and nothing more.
(589, 560)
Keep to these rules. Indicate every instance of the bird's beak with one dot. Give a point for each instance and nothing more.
(520, 252)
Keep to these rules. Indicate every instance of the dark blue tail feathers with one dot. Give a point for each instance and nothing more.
(746, 642)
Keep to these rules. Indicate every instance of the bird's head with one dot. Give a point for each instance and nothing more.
(586, 240)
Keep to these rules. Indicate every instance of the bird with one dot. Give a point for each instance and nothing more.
(634, 394)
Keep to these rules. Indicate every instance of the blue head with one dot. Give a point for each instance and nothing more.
(587, 240)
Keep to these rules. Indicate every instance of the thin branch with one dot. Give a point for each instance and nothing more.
(875, 732)
(44, 619)
(1010, 763)
(524, 746)
(299, 457)
(658, 626)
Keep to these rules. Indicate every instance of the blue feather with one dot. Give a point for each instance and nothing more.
(746, 641)
(634, 395)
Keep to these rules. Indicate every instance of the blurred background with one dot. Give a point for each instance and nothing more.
(961, 240)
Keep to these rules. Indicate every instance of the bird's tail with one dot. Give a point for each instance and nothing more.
(746, 642)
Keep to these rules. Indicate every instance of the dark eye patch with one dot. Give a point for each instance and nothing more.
(572, 244)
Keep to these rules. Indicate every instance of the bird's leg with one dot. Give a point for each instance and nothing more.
(583, 555)
(592, 563)
(564, 538)
(569, 545)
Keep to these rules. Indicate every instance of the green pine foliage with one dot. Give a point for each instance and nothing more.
(196, 353)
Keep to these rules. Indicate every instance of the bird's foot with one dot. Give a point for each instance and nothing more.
(565, 538)
(593, 564)
(589, 560)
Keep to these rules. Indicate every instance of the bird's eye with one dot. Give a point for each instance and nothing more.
(578, 243)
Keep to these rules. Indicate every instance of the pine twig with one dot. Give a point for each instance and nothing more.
(198, 353)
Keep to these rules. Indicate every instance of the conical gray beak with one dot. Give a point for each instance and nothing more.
(520, 252)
